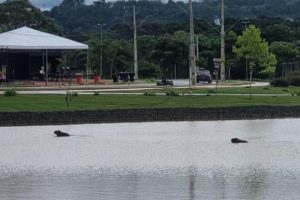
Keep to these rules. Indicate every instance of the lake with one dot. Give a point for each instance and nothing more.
(155, 160)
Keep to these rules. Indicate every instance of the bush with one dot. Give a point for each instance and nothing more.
(266, 88)
(149, 94)
(285, 90)
(172, 93)
(295, 81)
(279, 83)
(294, 78)
(10, 92)
(297, 93)
(211, 91)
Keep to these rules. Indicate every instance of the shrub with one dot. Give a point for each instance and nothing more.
(297, 93)
(10, 92)
(294, 78)
(295, 81)
(149, 94)
(279, 83)
(285, 90)
(211, 91)
(172, 93)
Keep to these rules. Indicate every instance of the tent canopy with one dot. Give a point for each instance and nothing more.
(28, 38)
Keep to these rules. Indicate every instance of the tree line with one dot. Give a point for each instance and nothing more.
(76, 16)
(166, 54)
(162, 44)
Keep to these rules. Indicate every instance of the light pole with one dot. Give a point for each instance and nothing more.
(136, 71)
(101, 48)
(246, 67)
(217, 63)
(197, 47)
(222, 42)
(101, 58)
(135, 50)
(245, 23)
(192, 60)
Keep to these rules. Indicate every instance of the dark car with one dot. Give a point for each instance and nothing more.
(204, 75)
(165, 82)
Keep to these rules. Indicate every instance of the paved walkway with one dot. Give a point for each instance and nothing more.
(122, 88)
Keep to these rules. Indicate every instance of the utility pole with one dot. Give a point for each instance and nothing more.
(192, 61)
(135, 46)
(101, 60)
(197, 47)
(246, 72)
(222, 42)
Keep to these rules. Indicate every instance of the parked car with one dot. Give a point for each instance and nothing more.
(165, 82)
(203, 75)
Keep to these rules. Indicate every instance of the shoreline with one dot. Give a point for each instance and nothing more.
(147, 115)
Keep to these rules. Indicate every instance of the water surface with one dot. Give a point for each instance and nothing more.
(159, 160)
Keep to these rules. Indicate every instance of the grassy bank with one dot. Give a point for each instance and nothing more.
(91, 102)
(230, 90)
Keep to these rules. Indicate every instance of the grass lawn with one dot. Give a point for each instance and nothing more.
(91, 102)
(230, 90)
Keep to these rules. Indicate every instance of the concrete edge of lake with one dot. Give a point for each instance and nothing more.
(147, 115)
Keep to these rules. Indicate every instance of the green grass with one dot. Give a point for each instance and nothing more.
(230, 90)
(91, 102)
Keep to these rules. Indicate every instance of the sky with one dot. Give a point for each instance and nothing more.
(47, 4)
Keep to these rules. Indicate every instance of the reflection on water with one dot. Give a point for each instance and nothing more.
(161, 160)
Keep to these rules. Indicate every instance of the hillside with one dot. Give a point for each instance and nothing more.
(77, 17)
(14, 14)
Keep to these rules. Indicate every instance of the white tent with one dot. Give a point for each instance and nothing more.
(24, 39)
(28, 38)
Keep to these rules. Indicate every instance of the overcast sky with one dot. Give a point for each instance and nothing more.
(44, 4)
(47, 4)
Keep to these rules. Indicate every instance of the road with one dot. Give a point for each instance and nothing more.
(120, 88)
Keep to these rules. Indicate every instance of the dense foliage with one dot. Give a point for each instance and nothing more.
(250, 45)
(162, 30)
(75, 16)
(14, 14)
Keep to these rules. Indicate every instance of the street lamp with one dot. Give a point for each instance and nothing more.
(222, 42)
(217, 64)
(192, 60)
(101, 41)
(245, 23)
(135, 58)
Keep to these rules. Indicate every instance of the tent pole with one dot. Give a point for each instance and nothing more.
(29, 65)
(65, 67)
(7, 64)
(43, 64)
(87, 62)
(59, 67)
(46, 67)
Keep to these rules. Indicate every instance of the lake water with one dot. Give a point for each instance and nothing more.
(159, 160)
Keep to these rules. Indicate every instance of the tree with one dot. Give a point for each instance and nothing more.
(251, 46)
(14, 14)
(285, 52)
(72, 3)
